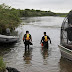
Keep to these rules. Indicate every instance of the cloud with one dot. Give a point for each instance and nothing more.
(55, 5)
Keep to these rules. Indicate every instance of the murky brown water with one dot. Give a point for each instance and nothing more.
(37, 59)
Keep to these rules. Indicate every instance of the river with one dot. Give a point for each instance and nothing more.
(37, 59)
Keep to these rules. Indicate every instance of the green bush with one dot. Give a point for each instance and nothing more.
(2, 65)
(9, 18)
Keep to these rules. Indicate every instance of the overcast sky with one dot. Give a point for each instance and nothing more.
(52, 5)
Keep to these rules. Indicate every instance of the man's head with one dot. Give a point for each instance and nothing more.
(27, 32)
(44, 33)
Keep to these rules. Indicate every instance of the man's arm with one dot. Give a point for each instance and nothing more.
(41, 40)
(24, 37)
(30, 37)
(49, 39)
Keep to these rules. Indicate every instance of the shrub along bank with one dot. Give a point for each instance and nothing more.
(9, 18)
(2, 65)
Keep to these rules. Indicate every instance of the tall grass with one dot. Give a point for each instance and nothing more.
(2, 65)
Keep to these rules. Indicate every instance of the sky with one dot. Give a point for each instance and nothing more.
(62, 6)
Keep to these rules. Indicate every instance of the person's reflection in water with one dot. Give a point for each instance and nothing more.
(28, 56)
(44, 52)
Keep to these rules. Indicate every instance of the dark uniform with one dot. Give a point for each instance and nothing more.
(45, 43)
(27, 42)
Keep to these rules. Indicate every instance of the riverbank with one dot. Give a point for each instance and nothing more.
(10, 17)
(35, 13)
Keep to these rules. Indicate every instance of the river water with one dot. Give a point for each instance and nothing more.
(37, 59)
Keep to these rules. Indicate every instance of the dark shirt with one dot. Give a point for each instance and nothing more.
(42, 40)
(26, 36)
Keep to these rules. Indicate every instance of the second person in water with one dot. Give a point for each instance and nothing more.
(45, 40)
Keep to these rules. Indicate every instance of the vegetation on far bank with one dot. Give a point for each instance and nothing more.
(33, 13)
(10, 17)
(62, 14)
(2, 65)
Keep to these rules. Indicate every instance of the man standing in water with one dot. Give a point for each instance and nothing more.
(45, 40)
(27, 39)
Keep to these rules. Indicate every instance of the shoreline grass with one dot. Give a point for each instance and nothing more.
(2, 65)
